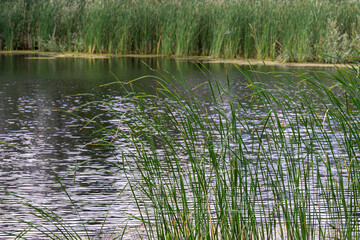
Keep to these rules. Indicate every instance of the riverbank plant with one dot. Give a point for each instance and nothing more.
(302, 31)
(279, 161)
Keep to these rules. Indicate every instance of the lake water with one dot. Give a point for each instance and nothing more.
(43, 142)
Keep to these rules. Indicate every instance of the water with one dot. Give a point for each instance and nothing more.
(43, 142)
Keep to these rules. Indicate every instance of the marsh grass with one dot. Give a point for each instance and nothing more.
(276, 163)
(284, 30)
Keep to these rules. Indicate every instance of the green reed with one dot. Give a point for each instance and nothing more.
(279, 30)
(275, 163)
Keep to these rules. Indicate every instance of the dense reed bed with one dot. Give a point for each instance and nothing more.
(310, 30)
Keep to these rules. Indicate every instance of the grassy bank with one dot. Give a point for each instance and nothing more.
(285, 30)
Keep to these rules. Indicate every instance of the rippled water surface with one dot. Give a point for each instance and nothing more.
(42, 142)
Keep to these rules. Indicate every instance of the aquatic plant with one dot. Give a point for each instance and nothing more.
(284, 30)
(276, 162)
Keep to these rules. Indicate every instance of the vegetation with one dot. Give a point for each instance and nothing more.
(203, 163)
(299, 30)
(274, 163)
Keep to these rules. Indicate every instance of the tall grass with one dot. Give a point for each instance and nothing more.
(275, 163)
(285, 30)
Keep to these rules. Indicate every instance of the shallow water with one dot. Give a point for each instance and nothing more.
(44, 142)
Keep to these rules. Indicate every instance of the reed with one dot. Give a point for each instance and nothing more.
(276, 163)
(302, 31)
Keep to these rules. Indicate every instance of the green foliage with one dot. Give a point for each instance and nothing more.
(284, 30)
(264, 165)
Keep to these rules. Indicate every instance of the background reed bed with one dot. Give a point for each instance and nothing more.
(303, 31)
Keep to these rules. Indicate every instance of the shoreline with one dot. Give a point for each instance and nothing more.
(203, 59)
